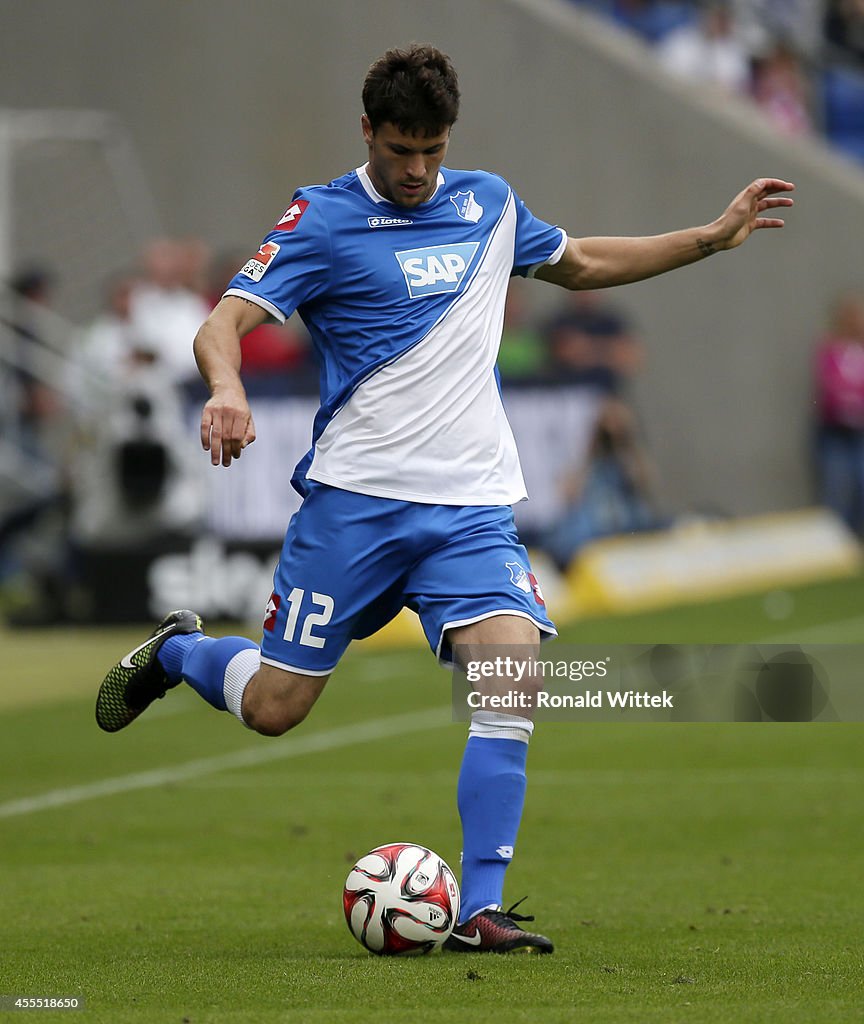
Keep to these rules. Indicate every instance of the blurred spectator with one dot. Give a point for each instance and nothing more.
(114, 349)
(781, 88)
(107, 346)
(33, 502)
(136, 473)
(839, 386)
(844, 26)
(762, 23)
(194, 265)
(611, 494)
(38, 404)
(166, 309)
(653, 20)
(522, 353)
(590, 342)
(843, 109)
(788, 54)
(709, 50)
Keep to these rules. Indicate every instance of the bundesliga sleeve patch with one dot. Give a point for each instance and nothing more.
(257, 266)
(291, 217)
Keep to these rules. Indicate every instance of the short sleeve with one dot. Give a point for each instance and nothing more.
(293, 263)
(537, 243)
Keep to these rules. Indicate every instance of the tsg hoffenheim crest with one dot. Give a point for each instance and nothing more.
(467, 206)
(519, 576)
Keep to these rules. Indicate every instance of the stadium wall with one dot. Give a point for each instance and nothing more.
(233, 105)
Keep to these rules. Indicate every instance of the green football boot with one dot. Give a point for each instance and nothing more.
(138, 678)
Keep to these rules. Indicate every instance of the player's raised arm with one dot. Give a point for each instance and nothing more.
(226, 422)
(604, 262)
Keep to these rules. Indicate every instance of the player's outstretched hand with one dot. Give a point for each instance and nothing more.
(226, 426)
(744, 214)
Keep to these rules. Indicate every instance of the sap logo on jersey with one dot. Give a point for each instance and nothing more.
(436, 269)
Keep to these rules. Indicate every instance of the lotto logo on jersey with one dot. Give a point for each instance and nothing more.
(388, 222)
(291, 217)
(436, 269)
(271, 611)
(257, 266)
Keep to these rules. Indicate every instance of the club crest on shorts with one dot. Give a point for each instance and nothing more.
(525, 581)
(518, 576)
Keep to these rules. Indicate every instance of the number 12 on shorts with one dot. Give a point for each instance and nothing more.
(316, 618)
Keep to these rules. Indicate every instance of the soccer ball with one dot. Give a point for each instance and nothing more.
(401, 899)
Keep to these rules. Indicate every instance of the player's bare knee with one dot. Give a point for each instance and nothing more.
(273, 721)
(277, 701)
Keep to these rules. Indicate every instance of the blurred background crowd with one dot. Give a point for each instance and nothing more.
(801, 61)
(97, 414)
(98, 419)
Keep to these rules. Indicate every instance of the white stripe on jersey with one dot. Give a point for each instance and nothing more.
(429, 426)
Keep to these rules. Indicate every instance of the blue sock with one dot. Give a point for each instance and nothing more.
(201, 661)
(490, 795)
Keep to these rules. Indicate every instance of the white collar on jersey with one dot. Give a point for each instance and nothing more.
(375, 195)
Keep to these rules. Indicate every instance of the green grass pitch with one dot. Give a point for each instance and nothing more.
(186, 870)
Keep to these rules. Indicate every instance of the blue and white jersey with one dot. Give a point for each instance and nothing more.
(405, 309)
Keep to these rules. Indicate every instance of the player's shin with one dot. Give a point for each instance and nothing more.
(491, 794)
(217, 669)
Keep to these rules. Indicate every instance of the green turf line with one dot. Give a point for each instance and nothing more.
(331, 739)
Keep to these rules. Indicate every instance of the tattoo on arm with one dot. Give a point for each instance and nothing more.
(706, 248)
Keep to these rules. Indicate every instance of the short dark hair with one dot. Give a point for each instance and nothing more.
(415, 89)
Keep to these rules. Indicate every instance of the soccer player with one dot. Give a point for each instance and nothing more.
(399, 270)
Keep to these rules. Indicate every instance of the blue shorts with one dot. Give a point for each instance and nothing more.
(351, 562)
